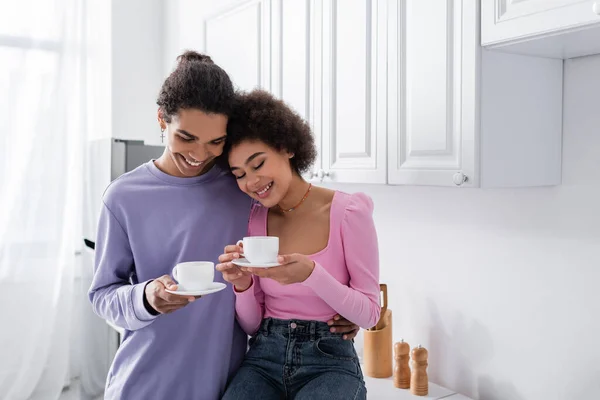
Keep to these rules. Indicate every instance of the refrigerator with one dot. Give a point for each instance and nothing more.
(106, 160)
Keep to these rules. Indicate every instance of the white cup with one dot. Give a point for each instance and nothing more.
(261, 249)
(194, 275)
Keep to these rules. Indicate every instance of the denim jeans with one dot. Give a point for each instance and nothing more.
(300, 360)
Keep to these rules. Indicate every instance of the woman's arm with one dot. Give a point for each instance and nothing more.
(359, 301)
(250, 303)
(250, 307)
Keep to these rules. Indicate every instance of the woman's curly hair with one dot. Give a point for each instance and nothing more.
(196, 83)
(258, 115)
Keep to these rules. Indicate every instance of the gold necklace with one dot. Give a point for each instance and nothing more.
(300, 202)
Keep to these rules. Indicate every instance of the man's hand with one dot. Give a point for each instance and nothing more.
(342, 325)
(162, 301)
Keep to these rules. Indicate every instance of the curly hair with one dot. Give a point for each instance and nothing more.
(258, 115)
(197, 83)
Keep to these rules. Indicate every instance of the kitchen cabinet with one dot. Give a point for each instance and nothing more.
(238, 39)
(558, 28)
(349, 55)
(399, 92)
(326, 59)
(293, 71)
(331, 67)
(460, 116)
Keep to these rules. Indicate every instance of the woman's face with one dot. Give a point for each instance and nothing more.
(262, 172)
(194, 140)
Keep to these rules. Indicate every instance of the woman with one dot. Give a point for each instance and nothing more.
(161, 214)
(329, 262)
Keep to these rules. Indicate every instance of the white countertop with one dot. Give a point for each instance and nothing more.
(384, 389)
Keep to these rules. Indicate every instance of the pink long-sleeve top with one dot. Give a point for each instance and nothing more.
(345, 279)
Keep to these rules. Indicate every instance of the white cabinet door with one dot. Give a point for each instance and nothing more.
(460, 117)
(292, 70)
(427, 143)
(327, 60)
(507, 20)
(291, 77)
(349, 55)
(238, 40)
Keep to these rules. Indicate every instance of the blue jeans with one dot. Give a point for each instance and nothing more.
(298, 360)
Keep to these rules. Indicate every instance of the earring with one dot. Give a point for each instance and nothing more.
(162, 135)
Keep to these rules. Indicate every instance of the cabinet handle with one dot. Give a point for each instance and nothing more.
(459, 178)
(596, 7)
(322, 174)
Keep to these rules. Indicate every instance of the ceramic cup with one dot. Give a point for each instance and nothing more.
(261, 249)
(194, 275)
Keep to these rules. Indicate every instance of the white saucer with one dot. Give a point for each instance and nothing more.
(242, 262)
(213, 288)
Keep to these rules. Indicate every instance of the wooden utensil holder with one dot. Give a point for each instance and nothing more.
(378, 353)
(384, 304)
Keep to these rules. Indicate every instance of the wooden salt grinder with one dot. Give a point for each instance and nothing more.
(401, 368)
(419, 383)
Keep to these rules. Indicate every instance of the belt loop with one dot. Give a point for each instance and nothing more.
(265, 326)
(313, 328)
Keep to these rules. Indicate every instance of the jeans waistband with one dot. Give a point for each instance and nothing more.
(297, 327)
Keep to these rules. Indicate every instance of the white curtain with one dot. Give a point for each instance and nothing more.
(41, 141)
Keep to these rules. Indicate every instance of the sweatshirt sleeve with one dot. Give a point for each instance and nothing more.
(359, 301)
(250, 307)
(113, 296)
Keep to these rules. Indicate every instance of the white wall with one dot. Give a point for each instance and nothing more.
(137, 68)
(98, 69)
(499, 285)
(502, 286)
(126, 69)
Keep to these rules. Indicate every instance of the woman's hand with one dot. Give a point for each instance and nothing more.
(294, 268)
(241, 280)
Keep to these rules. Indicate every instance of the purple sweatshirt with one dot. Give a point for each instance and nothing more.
(149, 222)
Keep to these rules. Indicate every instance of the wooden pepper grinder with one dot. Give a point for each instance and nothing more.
(401, 368)
(419, 383)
